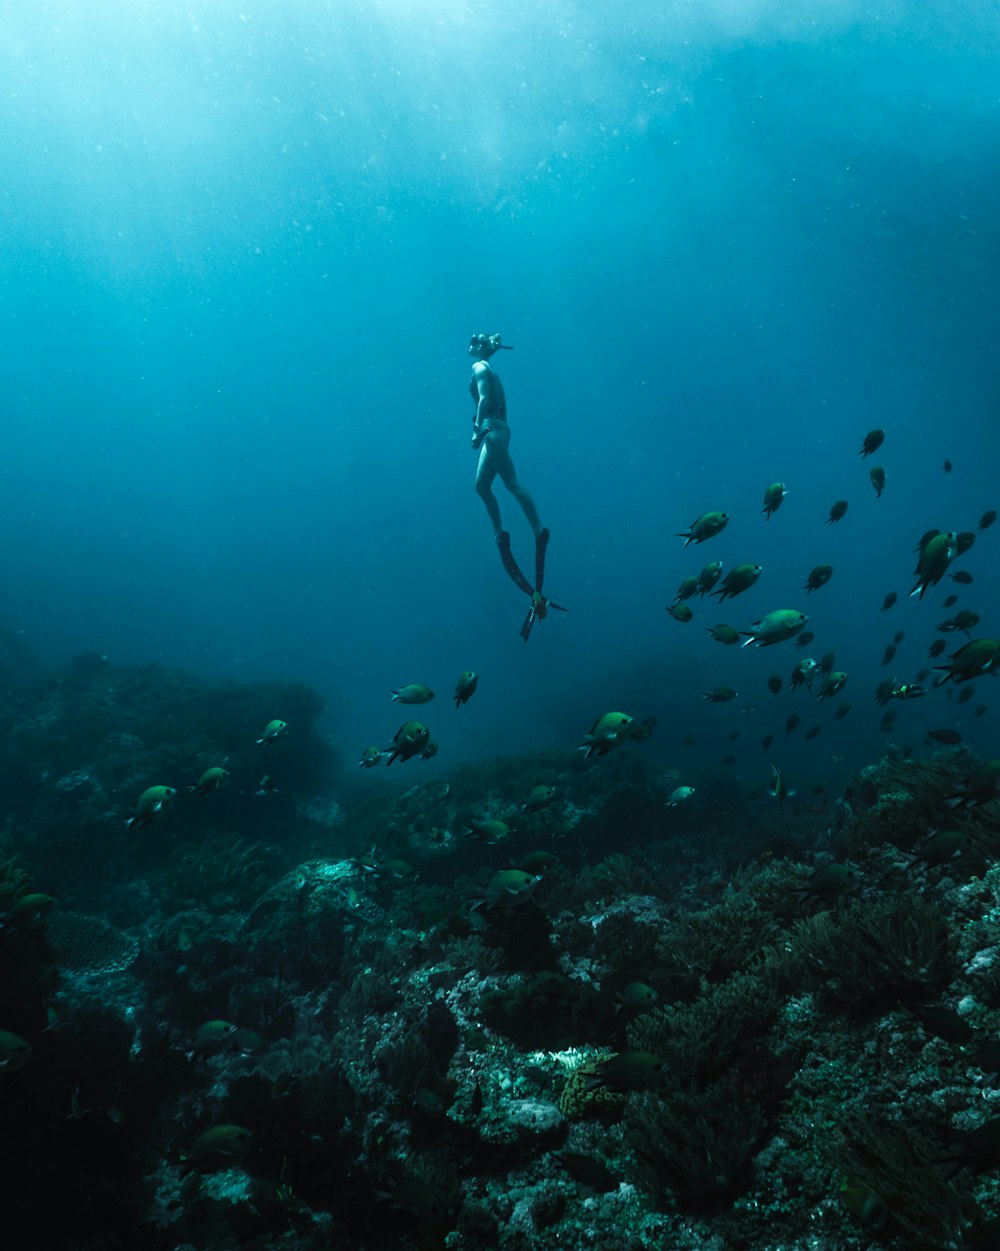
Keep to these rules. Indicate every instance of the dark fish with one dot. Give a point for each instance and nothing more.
(963, 578)
(888, 654)
(987, 519)
(873, 441)
(921, 675)
(837, 512)
(952, 599)
(947, 466)
(965, 694)
(842, 712)
(982, 710)
(877, 475)
(936, 648)
(826, 662)
(775, 680)
(898, 636)
(889, 600)
(949, 737)
(964, 540)
(818, 577)
(805, 638)
(883, 692)
(888, 721)
(794, 721)
(811, 732)
(768, 739)
(728, 760)
(588, 1170)
(734, 735)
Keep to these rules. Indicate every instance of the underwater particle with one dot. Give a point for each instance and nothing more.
(409, 740)
(725, 634)
(818, 576)
(370, 757)
(266, 786)
(608, 732)
(779, 787)
(680, 796)
(272, 732)
(15, 1051)
(987, 519)
(872, 442)
(773, 498)
(705, 527)
(465, 687)
(709, 576)
(774, 683)
(932, 564)
(877, 476)
(539, 797)
(889, 600)
(221, 1147)
(837, 512)
(412, 693)
(739, 579)
(152, 803)
(680, 612)
(720, 694)
(775, 627)
(211, 780)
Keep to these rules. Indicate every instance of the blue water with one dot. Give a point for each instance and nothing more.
(242, 254)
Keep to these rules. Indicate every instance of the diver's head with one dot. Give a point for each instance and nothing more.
(482, 346)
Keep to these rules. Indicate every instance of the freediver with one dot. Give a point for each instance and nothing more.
(491, 438)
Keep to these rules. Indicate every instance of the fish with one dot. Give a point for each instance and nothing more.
(215, 1036)
(642, 730)
(779, 787)
(724, 634)
(15, 1051)
(680, 612)
(774, 683)
(889, 600)
(936, 648)
(687, 588)
(971, 661)
(266, 786)
(818, 577)
(272, 732)
(803, 673)
(370, 757)
(210, 780)
(829, 881)
(887, 722)
(680, 795)
(946, 466)
(793, 723)
(539, 797)
(837, 512)
(218, 1148)
(877, 476)
(27, 912)
(637, 997)
(773, 497)
(842, 712)
(738, 580)
(898, 636)
(987, 519)
(946, 736)
(889, 654)
(963, 577)
(965, 695)
(489, 831)
(412, 693)
(964, 540)
(409, 740)
(608, 732)
(766, 741)
(152, 803)
(811, 732)
(833, 685)
(935, 557)
(866, 1205)
(720, 695)
(979, 788)
(775, 627)
(628, 1070)
(709, 576)
(707, 526)
(805, 638)
(507, 889)
(873, 440)
(465, 687)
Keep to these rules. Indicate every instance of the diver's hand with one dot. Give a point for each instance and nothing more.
(477, 439)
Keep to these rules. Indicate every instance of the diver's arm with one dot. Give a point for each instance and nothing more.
(481, 378)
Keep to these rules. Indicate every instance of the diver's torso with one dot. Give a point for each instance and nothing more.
(496, 404)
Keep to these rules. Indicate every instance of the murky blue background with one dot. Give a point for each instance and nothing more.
(244, 246)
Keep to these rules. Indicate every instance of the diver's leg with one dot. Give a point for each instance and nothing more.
(486, 472)
(508, 476)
